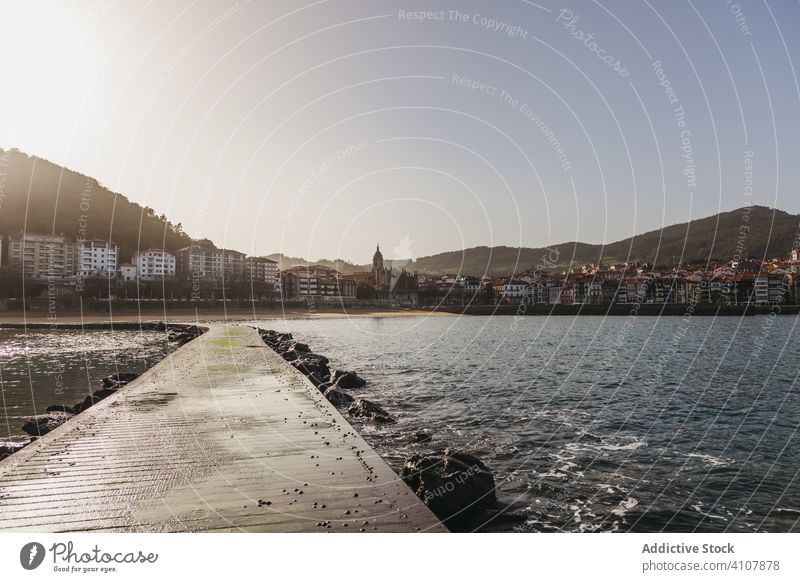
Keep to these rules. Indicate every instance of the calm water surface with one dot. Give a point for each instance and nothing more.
(593, 424)
(40, 367)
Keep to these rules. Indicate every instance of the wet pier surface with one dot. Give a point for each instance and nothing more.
(222, 435)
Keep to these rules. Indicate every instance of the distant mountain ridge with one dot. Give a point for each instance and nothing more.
(40, 196)
(754, 231)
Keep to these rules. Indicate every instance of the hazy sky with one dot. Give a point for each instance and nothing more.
(319, 128)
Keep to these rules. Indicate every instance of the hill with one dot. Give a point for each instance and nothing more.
(340, 265)
(768, 233)
(40, 196)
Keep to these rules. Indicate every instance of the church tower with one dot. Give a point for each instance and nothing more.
(377, 265)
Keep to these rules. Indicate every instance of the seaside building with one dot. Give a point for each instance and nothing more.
(207, 263)
(127, 272)
(511, 290)
(154, 264)
(395, 284)
(771, 288)
(260, 271)
(41, 256)
(315, 283)
(97, 258)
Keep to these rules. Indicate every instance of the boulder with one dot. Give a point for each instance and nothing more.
(184, 333)
(290, 356)
(42, 424)
(347, 380)
(457, 487)
(300, 347)
(314, 366)
(420, 436)
(336, 374)
(96, 397)
(337, 397)
(284, 337)
(366, 410)
(9, 448)
(269, 336)
(311, 357)
(119, 380)
(60, 408)
(282, 347)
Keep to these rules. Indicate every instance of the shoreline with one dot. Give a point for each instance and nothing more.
(40, 318)
(621, 309)
(150, 317)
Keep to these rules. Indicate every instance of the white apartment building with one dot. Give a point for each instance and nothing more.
(512, 291)
(97, 258)
(154, 264)
(127, 272)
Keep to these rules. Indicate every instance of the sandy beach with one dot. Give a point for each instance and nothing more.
(201, 315)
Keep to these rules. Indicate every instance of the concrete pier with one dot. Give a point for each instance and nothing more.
(221, 435)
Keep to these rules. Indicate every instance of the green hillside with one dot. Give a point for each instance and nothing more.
(715, 238)
(40, 196)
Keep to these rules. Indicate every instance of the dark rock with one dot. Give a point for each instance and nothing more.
(337, 397)
(347, 380)
(336, 374)
(119, 380)
(420, 436)
(60, 408)
(290, 355)
(44, 423)
(96, 397)
(282, 347)
(457, 487)
(9, 448)
(315, 358)
(314, 366)
(183, 334)
(284, 337)
(269, 336)
(366, 410)
(299, 347)
(324, 386)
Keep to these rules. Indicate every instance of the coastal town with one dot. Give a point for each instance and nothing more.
(55, 270)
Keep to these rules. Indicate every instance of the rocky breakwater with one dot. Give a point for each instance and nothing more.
(457, 487)
(333, 384)
(57, 414)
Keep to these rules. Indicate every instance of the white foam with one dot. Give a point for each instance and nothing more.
(625, 506)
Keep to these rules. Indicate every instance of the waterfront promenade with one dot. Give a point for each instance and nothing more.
(221, 435)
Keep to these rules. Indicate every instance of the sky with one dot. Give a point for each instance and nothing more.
(321, 128)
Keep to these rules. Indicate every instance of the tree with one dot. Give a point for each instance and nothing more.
(365, 291)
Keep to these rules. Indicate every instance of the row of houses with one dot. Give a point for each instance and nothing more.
(45, 257)
(734, 283)
(381, 284)
(203, 268)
